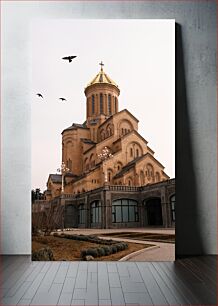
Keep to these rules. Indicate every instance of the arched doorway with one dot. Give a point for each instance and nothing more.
(70, 219)
(154, 211)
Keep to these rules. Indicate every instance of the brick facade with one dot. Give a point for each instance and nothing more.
(131, 175)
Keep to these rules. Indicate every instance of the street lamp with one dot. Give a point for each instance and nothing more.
(105, 155)
(63, 170)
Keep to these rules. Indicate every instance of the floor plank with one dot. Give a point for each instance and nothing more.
(187, 281)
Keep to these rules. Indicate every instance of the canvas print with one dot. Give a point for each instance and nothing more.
(103, 140)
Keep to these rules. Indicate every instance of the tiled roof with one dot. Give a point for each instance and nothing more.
(55, 178)
(89, 141)
(74, 126)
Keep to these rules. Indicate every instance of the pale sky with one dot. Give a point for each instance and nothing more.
(139, 55)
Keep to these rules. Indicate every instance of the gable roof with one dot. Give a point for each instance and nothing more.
(118, 113)
(55, 178)
(75, 126)
(131, 164)
(127, 167)
(130, 133)
(88, 141)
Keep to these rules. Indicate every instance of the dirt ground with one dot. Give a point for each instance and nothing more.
(67, 249)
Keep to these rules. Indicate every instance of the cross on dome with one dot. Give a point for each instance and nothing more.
(101, 64)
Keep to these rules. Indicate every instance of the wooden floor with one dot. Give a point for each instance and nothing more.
(189, 281)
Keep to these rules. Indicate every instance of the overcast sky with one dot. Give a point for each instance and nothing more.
(139, 55)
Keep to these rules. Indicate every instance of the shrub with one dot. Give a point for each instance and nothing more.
(101, 252)
(114, 249)
(107, 250)
(92, 252)
(44, 254)
(83, 253)
(126, 245)
(119, 247)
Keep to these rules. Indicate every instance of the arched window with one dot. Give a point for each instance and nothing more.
(96, 212)
(81, 215)
(92, 161)
(131, 152)
(101, 103)
(125, 210)
(109, 104)
(129, 182)
(110, 175)
(86, 162)
(157, 177)
(150, 172)
(115, 104)
(93, 104)
(142, 178)
(69, 164)
(102, 135)
(137, 152)
(172, 206)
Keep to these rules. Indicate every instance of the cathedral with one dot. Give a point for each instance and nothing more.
(109, 175)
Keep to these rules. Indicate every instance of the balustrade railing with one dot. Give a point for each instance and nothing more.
(123, 188)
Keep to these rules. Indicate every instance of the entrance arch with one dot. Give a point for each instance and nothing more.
(70, 219)
(154, 211)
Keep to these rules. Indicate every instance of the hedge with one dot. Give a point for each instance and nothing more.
(104, 250)
(81, 237)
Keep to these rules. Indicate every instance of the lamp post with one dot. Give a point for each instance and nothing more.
(105, 155)
(62, 170)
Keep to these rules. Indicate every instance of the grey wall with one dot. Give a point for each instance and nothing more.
(196, 113)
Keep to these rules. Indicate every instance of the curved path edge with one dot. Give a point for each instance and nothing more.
(125, 258)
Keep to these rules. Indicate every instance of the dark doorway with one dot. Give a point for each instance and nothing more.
(154, 212)
(69, 217)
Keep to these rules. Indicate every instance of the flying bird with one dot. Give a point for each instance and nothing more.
(69, 58)
(39, 95)
(62, 99)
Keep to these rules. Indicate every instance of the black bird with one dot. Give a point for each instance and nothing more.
(62, 99)
(39, 95)
(69, 58)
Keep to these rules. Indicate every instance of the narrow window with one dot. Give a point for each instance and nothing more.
(131, 152)
(115, 104)
(93, 104)
(137, 152)
(172, 202)
(109, 104)
(101, 103)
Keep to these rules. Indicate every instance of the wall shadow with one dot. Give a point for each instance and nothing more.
(189, 240)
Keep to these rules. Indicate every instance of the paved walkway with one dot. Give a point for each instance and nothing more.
(163, 251)
(92, 231)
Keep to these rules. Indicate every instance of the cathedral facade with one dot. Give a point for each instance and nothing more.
(110, 174)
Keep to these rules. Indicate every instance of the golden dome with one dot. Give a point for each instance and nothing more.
(102, 78)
